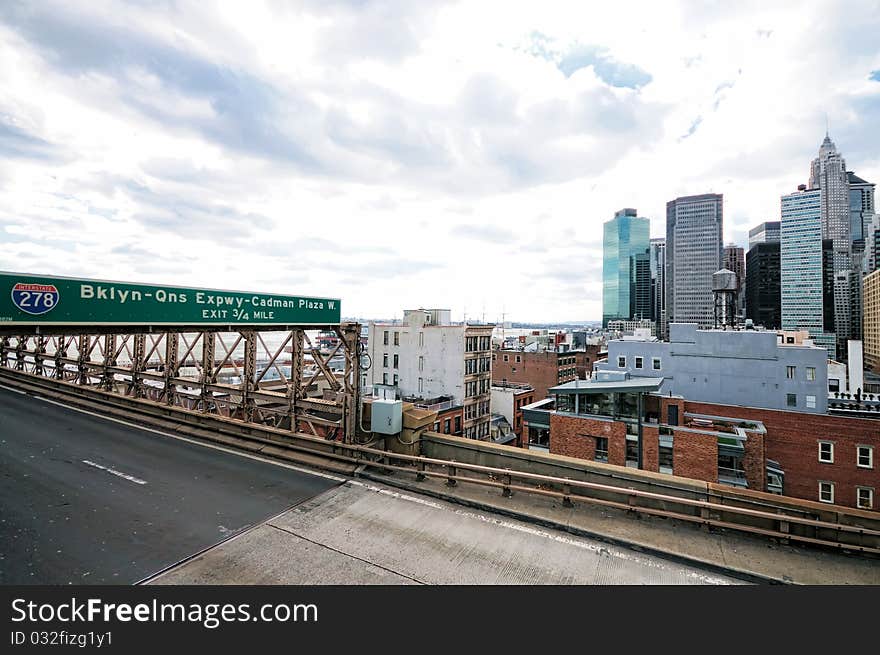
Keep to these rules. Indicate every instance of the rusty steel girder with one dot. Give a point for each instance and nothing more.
(285, 381)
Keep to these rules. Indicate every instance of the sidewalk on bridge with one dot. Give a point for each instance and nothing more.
(755, 558)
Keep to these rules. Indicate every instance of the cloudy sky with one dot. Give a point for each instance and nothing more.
(397, 154)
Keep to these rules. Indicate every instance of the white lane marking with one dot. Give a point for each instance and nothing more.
(126, 476)
(18, 391)
(231, 451)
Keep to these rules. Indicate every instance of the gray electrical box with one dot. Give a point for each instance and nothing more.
(386, 416)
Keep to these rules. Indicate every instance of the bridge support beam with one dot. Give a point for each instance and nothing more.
(172, 349)
(208, 376)
(250, 374)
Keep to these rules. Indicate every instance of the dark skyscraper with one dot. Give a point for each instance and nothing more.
(763, 291)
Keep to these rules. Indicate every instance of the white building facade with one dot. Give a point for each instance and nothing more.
(426, 356)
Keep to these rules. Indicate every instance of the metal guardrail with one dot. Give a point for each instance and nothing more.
(846, 537)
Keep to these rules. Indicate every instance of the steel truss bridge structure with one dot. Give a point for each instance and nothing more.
(230, 372)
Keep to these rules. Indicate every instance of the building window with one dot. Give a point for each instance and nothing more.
(518, 359)
(506, 358)
(632, 454)
(386, 338)
(826, 452)
(446, 425)
(864, 497)
(790, 372)
(638, 362)
(384, 378)
(655, 363)
(396, 360)
(493, 357)
(421, 339)
(385, 360)
(789, 339)
(421, 385)
(621, 361)
(811, 373)
(865, 457)
(791, 399)
(397, 338)
(421, 363)
(457, 424)
(811, 402)
(395, 379)
(826, 492)
(601, 449)
(665, 457)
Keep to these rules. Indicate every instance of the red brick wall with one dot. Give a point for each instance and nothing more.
(584, 361)
(650, 448)
(754, 461)
(793, 441)
(541, 370)
(451, 414)
(695, 455)
(571, 436)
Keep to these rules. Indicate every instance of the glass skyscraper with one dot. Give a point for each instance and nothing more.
(803, 284)
(626, 239)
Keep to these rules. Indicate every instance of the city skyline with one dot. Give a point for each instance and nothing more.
(299, 151)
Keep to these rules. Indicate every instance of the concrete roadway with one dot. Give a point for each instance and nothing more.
(90, 501)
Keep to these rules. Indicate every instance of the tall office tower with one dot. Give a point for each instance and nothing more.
(625, 236)
(733, 259)
(658, 286)
(762, 285)
(861, 215)
(805, 267)
(694, 228)
(828, 173)
(766, 232)
(872, 321)
(872, 245)
(861, 206)
(640, 286)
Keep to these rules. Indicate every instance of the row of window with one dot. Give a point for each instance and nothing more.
(476, 410)
(791, 372)
(476, 388)
(791, 401)
(864, 454)
(864, 495)
(639, 362)
(447, 426)
(474, 344)
(477, 365)
(396, 360)
(477, 431)
(397, 339)
(395, 378)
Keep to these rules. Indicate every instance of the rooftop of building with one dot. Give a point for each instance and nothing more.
(608, 382)
(852, 178)
(512, 386)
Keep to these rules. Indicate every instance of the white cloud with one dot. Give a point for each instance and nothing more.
(397, 154)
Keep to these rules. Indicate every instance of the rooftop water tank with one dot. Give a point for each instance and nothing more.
(724, 280)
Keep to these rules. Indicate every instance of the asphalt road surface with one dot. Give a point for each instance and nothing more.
(84, 500)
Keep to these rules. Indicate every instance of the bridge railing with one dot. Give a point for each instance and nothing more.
(457, 461)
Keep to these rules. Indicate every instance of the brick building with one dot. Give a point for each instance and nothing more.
(623, 421)
(541, 370)
(584, 360)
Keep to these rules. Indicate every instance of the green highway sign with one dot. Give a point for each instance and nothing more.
(27, 299)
